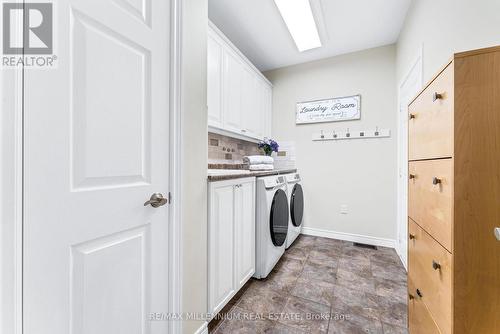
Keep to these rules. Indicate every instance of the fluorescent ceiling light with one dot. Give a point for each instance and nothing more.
(299, 19)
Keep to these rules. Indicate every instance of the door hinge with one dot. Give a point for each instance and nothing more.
(169, 197)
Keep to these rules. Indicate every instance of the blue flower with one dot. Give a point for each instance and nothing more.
(268, 146)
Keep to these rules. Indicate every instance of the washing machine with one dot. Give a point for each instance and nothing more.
(296, 204)
(271, 221)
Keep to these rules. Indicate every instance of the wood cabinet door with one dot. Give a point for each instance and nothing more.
(419, 318)
(430, 125)
(430, 194)
(430, 268)
(221, 245)
(244, 198)
(214, 84)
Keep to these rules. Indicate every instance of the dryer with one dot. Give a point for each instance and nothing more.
(271, 221)
(296, 200)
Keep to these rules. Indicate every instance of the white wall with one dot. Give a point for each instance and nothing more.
(444, 27)
(194, 160)
(358, 173)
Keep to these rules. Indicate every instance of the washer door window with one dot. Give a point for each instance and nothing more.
(279, 218)
(297, 205)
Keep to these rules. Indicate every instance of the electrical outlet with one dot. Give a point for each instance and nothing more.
(343, 209)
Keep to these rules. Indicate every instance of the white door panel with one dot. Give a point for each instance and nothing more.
(221, 230)
(244, 199)
(96, 148)
(233, 77)
(214, 87)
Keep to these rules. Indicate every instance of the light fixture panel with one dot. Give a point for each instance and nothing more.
(299, 20)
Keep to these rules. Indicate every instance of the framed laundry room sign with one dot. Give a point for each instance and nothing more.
(337, 109)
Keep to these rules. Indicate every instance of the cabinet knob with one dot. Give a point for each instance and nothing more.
(411, 116)
(419, 293)
(412, 236)
(436, 96)
(410, 296)
(436, 265)
(411, 176)
(436, 181)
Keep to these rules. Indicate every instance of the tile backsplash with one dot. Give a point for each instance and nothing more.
(227, 150)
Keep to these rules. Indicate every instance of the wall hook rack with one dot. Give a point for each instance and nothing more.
(349, 134)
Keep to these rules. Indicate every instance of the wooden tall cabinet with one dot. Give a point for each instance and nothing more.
(454, 199)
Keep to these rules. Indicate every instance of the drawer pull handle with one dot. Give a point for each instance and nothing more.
(436, 181)
(436, 96)
(412, 236)
(419, 293)
(436, 265)
(410, 296)
(411, 116)
(411, 176)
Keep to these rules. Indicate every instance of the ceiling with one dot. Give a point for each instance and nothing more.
(257, 29)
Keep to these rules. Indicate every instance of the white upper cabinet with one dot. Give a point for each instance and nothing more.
(250, 104)
(214, 89)
(239, 96)
(233, 87)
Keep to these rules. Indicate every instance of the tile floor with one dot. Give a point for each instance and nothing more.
(322, 286)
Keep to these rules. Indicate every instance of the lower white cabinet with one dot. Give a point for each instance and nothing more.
(231, 244)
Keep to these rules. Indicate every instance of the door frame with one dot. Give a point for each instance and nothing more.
(416, 65)
(11, 186)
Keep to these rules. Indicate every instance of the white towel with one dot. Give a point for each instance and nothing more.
(261, 167)
(258, 160)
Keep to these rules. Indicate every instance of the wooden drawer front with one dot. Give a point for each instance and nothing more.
(430, 269)
(419, 318)
(430, 194)
(430, 125)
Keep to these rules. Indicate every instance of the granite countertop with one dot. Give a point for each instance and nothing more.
(228, 174)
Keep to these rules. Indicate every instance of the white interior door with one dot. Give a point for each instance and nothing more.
(408, 89)
(96, 146)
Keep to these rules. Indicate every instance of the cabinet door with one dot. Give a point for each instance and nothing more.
(214, 88)
(250, 103)
(244, 199)
(221, 246)
(267, 106)
(233, 77)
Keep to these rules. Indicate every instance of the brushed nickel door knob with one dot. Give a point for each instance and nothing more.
(156, 200)
(497, 233)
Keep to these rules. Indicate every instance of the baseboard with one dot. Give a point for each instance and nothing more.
(203, 329)
(398, 251)
(364, 239)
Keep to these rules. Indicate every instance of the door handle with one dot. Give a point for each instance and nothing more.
(156, 200)
(436, 96)
(497, 233)
(436, 265)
